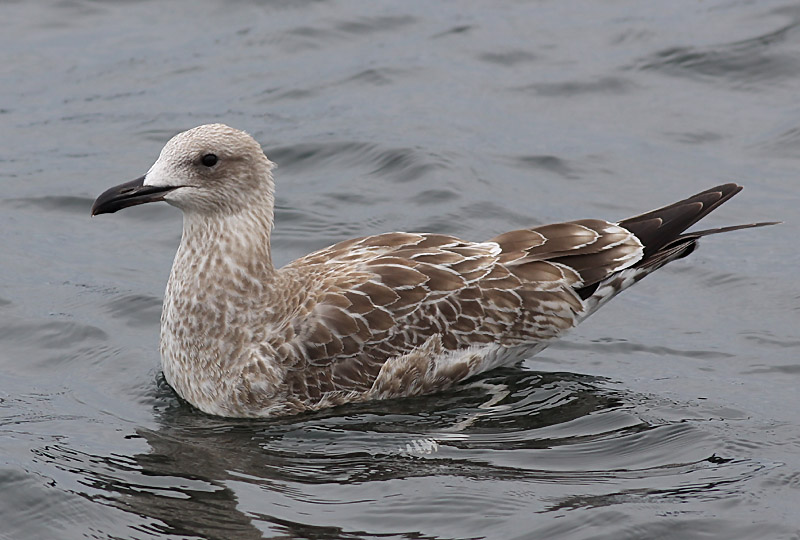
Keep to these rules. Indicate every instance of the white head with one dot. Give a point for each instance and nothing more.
(206, 171)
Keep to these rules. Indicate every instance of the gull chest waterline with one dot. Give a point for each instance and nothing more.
(216, 322)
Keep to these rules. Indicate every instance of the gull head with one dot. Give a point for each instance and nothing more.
(208, 170)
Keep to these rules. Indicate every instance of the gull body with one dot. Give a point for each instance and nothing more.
(384, 316)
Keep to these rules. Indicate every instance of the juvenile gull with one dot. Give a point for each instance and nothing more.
(384, 316)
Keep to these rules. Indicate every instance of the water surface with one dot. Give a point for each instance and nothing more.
(672, 413)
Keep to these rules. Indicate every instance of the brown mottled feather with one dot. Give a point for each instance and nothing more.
(467, 294)
(376, 317)
(405, 288)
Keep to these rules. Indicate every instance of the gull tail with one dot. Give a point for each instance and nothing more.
(662, 233)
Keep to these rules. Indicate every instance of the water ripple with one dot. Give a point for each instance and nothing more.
(399, 164)
(500, 439)
(619, 346)
(507, 58)
(60, 203)
(752, 61)
(370, 25)
(49, 334)
(604, 85)
(309, 37)
(137, 309)
(548, 163)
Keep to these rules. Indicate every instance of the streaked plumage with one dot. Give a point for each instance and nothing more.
(378, 317)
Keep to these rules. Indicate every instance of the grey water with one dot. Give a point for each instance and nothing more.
(673, 413)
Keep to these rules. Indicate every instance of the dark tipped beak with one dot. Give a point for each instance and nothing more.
(128, 194)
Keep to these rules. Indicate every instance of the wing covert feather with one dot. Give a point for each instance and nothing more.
(379, 297)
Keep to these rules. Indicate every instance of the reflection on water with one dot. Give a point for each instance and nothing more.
(669, 414)
(510, 433)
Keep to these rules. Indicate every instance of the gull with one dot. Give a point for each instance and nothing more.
(378, 317)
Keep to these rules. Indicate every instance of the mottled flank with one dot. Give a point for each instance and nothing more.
(378, 317)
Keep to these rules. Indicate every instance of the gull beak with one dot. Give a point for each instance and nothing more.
(128, 194)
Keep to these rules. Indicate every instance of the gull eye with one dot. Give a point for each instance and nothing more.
(209, 160)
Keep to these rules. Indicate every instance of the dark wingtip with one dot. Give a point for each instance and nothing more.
(94, 209)
(730, 228)
(660, 227)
